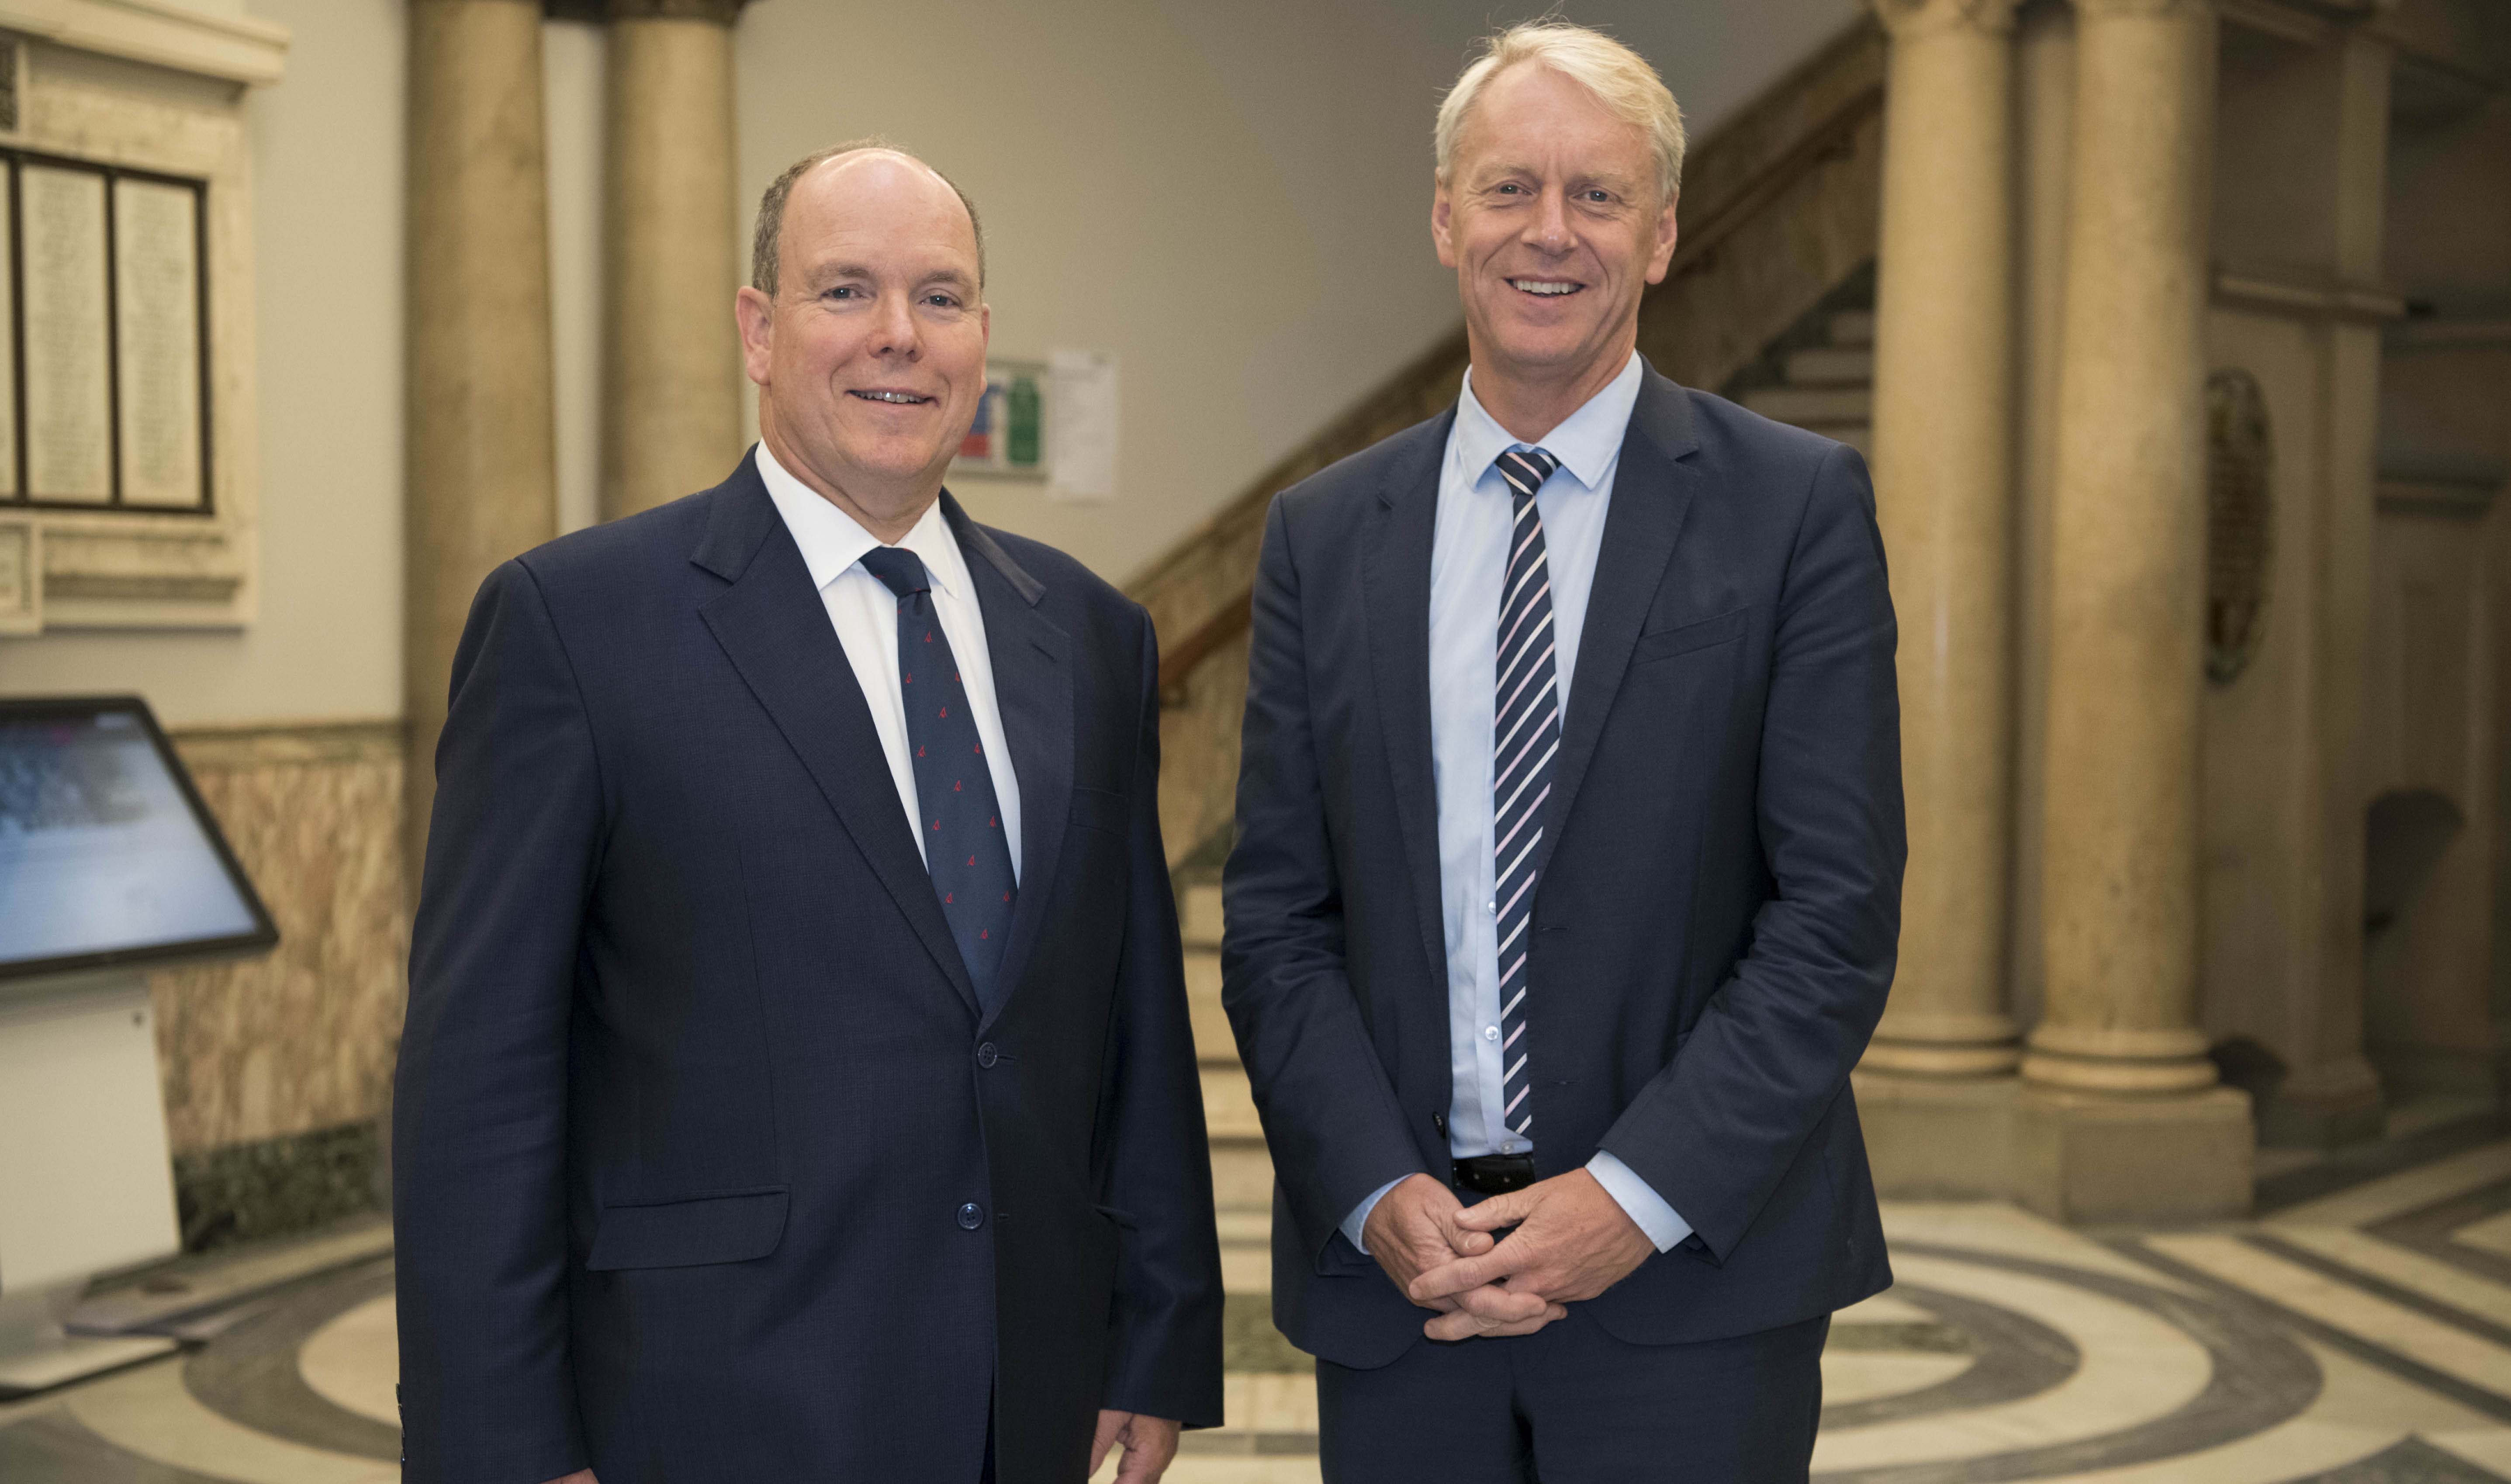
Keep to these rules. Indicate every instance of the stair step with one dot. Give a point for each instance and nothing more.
(1242, 1175)
(1854, 327)
(1213, 1042)
(1832, 366)
(1201, 913)
(1816, 408)
(1229, 1105)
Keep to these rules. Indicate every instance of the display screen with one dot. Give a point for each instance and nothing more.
(106, 854)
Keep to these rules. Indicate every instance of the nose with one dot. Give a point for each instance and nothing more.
(894, 333)
(1548, 230)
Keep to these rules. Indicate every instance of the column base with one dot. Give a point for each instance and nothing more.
(1938, 1138)
(2081, 1157)
(2322, 1106)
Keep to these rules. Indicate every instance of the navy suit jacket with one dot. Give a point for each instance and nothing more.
(707, 1166)
(1718, 899)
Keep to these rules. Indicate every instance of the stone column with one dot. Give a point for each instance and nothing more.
(481, 461)
(1938, 1100)
(671, 358)
(2123, 1120)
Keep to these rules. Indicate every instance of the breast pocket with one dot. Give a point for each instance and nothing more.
(1689, 638)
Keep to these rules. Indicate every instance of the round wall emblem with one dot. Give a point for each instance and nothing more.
(2240, 521)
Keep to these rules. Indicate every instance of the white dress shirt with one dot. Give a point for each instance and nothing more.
(1468, 566)
(865, 613)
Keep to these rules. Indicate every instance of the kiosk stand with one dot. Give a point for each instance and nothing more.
(109, 863)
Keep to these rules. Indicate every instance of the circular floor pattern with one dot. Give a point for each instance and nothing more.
(1981, 1366)
(2258, 1376)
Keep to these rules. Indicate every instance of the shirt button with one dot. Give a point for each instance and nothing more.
(1492, 906)
(986, 1055)
(1490, 1033)
(969, 1217)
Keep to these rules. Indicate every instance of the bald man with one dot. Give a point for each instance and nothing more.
(797, 1082)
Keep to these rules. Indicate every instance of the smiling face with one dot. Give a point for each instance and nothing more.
(870, 357)
(1550, 216)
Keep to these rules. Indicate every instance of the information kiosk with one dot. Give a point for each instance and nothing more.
(109, 866)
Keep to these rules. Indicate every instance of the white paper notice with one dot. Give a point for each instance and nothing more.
(1081, 425)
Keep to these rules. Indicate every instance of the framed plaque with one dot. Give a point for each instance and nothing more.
(64, 335)
(157, 342)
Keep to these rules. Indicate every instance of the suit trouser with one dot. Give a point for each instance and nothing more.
(1571, 1404)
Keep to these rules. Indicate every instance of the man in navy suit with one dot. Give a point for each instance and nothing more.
(797, 1082)
(1566, 885)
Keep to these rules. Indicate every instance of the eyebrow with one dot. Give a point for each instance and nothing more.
(828, 274)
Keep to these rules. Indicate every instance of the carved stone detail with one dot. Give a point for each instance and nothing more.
(719, 12)
(2157, 10)
(1911, 19)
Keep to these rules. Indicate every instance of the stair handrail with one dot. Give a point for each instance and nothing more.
(1696, 246)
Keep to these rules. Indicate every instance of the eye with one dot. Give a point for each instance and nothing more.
(841, 291)
(1599, 196)
(942, 300)
(1512, 188)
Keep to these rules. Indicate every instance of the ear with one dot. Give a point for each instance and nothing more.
(1663, 253)
(756, 316)
(1442, 223)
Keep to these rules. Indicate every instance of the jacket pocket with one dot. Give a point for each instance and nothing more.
(732, 1228)
(1102, 809)
(1684, 638)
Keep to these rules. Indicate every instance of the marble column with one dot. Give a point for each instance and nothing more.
(1944, 480)
(1934, 1087)
(2125, 1121)
(480, 456)
(671, 359)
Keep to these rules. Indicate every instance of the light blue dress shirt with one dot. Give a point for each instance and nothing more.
(1468, 564)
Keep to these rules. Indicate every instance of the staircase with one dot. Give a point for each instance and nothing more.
(1826, 387)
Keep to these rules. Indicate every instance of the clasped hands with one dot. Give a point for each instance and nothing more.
(1572, 1241)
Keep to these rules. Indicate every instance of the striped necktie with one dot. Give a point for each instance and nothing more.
(1525, 733)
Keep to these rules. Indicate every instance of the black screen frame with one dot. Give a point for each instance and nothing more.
(264, 935)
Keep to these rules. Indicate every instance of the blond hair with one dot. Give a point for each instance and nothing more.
(1620, 79)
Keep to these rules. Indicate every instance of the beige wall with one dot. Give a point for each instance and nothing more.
(1233, 198)
(327, 173)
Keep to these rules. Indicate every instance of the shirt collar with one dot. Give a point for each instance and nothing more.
(1587, 441)
(833, 541)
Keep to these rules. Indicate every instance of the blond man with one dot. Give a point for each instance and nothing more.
(1567, 887)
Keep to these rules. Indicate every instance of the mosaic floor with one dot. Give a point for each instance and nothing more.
(2357, 1333)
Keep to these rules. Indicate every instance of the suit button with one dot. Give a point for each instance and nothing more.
(969, 1217)
(986, 1055)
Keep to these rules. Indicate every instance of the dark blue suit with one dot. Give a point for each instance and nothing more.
(707, 1164)
(1717, 904)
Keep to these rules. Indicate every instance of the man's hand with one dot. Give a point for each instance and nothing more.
(1572, 1241)
(1417, 1228)
(1151, 1442)
(580, 1476)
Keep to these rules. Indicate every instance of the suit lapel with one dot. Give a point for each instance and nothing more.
(1652, 491)
(775, 629)
(1395, 579)
(1033, 678)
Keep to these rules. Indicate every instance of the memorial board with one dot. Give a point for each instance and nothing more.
(157, 329)
(70, 411)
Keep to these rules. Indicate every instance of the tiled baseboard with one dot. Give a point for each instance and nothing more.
(273, 1186)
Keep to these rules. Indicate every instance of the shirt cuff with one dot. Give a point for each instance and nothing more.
(1358, 1221)
(1662, 1223)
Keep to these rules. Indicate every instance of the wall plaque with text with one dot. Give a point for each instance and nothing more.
(104, 389)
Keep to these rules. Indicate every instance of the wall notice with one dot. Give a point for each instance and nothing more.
(1081, 425)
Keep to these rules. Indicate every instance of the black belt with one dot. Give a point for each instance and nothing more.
(1495, 1174)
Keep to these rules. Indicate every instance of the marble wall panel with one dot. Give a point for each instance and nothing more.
(302, 1038)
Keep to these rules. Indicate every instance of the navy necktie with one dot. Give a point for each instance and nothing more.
(965, 850)
(1525, 733)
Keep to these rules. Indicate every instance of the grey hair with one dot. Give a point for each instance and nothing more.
(1620, 79)
(763, 240)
